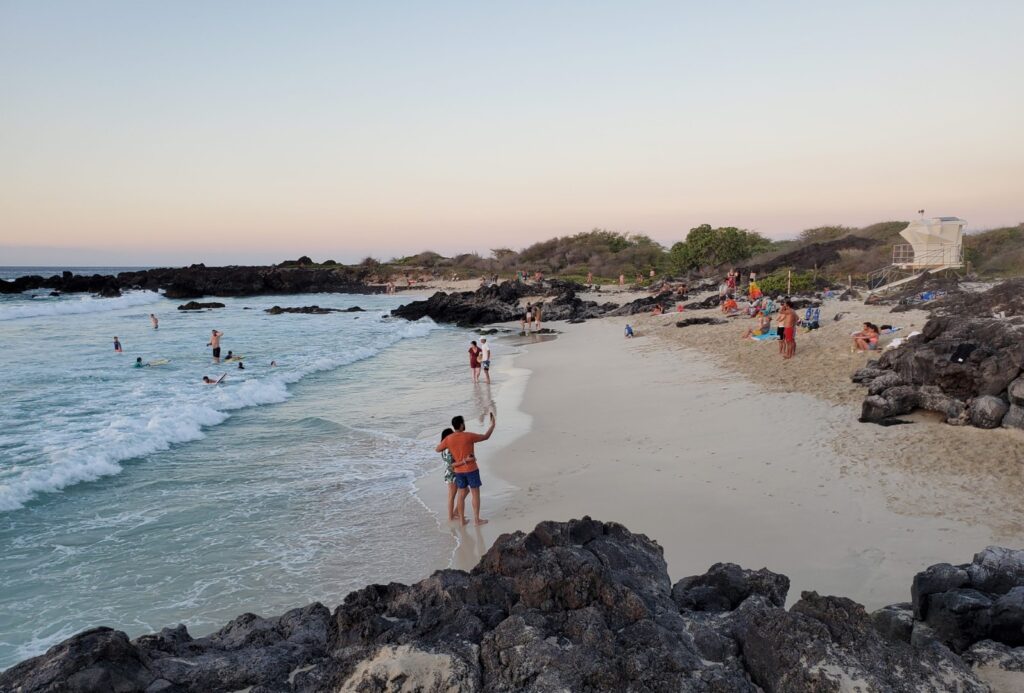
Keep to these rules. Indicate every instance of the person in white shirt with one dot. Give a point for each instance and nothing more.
(485, 358)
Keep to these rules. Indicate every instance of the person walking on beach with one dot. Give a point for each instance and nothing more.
(449, 475)
(527, 317)
(590, 277)
(117, 346)
(485, 359)
(215, 343)
(622, 280)
(474, 361)
(467, 473)
(156, 323)
(536, 316)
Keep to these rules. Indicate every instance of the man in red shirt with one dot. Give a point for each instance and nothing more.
(467, 474)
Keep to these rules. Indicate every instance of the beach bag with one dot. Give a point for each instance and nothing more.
(962, 352)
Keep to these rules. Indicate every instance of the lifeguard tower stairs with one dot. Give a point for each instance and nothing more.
(934, 245)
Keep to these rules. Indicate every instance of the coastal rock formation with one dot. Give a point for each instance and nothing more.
(309, 310)
(817, 254)
(967, 368)
(198, 280)
(1005, 298)
(501, 303)
(196, 305)
(700, 321)
(574, 606)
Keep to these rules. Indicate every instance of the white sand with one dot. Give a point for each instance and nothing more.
(721, 466)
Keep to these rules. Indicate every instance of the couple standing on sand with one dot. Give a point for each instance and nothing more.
(480, 357)
(461, 472)
(787, 326)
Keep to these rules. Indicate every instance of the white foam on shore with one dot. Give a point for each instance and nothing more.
(45, 306)
(181, 416)
(513, 425)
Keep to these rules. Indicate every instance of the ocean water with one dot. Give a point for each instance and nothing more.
(138, 497)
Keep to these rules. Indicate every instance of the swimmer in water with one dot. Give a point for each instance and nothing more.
(241, 366)
(156, 323)
(210, 381)
(117, 346)
(215, 343)
(139, 363)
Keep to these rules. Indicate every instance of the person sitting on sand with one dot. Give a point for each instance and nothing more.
(658, 310)
(764, 326)
(730, 307)
(210, 381)
(467, 474)
(867, 338)
(449, 475)
(629, 331)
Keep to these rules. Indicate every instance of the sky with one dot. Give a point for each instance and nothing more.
(248, 131)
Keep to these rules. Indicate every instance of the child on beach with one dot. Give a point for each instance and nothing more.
(449, 475)
(467, 474)
(629, 331)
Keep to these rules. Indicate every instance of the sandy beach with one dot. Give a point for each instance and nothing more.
(723, 452)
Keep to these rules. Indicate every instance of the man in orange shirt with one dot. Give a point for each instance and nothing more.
(467, 474)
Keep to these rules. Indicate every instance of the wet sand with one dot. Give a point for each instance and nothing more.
(760, 463)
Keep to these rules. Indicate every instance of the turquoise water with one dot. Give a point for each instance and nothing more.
(140, 498)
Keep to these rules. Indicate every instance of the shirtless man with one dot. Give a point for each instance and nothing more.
(215, 343)
(467, 474)
(787, 318)
(156, 323)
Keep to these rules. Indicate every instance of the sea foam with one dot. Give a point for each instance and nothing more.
(43, 306)
(175, 412)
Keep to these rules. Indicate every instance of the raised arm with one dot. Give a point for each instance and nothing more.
(490, 430)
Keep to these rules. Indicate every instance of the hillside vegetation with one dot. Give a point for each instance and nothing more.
(818, 255)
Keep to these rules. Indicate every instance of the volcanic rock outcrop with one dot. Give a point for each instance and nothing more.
(580, 606)
(969, 369)
(501, 303)
(196, 281)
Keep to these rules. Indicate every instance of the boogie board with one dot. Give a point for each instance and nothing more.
(159, 362)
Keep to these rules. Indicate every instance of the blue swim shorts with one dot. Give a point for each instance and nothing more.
(468, 480)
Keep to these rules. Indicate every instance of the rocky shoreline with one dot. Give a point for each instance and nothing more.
(577, 606)
(967, 363)
(199, 280)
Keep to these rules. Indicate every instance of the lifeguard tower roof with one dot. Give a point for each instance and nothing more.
(935, 243)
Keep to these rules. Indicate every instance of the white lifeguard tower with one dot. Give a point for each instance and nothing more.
(934, 245)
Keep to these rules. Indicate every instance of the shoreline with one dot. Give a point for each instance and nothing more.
(741, 473)
(514, 423)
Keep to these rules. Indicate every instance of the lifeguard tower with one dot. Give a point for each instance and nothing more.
(934, 245)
